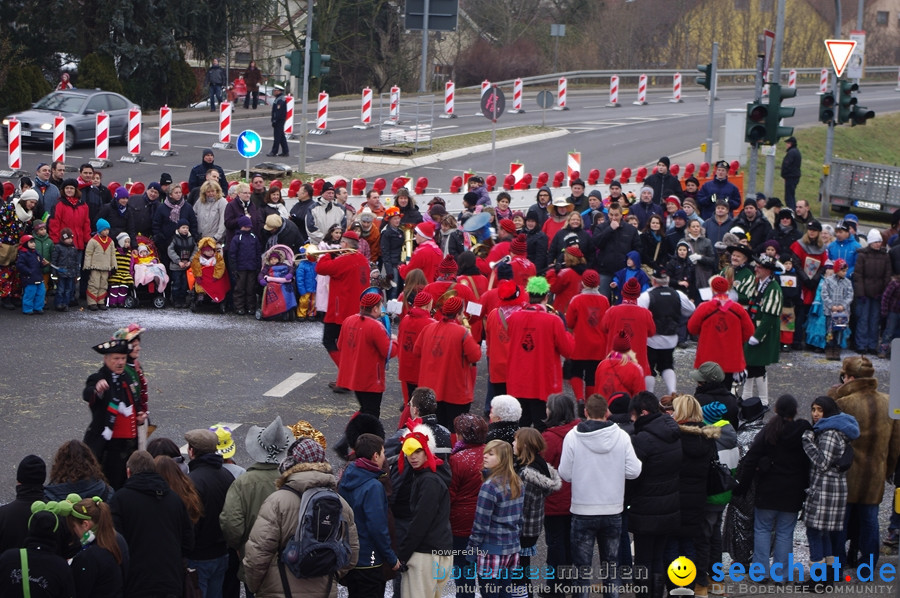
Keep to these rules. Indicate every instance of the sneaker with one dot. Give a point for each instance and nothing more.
(892, 538)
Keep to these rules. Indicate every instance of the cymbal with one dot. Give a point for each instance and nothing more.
(477, 222)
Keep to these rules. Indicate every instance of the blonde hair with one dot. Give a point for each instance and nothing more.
(503, 473)
(687, 409)
(210, 187)
(241, 187)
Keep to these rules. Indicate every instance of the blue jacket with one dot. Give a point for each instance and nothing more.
(643, 211)
(306, 277)
(845, 250)
(365, 494)
(707, 205)
(244, 252)
(28, 263)
(622, 276)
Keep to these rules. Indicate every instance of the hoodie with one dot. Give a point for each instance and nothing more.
(626, 273)
(363, 491)
(598, 446)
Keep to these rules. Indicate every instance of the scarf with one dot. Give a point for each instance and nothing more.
(208, 261)
(367, 465)
(175, 213)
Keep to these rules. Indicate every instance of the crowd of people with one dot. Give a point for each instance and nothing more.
(579, 305)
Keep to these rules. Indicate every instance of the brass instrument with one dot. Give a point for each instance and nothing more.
(409, 237)
(482, 249)
(341, 251)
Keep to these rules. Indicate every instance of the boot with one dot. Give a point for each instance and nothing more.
(829, 584)
(833, 353)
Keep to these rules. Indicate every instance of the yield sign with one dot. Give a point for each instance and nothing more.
(839, 50)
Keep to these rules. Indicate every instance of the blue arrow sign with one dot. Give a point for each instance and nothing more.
(249, 144)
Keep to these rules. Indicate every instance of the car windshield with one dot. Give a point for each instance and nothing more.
(61, 102)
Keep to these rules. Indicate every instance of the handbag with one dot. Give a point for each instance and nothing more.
(191, 583)
(719, 478)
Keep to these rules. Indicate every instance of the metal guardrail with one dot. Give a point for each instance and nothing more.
(864, 185)
(572, 76)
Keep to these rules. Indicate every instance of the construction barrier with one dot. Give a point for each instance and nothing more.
(676, 89)
(792, 79)
(14, 144)
(289, 115)
(101, 136)
(613, 92)
(322, 112)
(225, 122)
(823, 81)
(449, 96)
(165, 129)
(642, 91)
(394, 113)
(517, 97)
(561, 94)
(59, 138)
(134, 131)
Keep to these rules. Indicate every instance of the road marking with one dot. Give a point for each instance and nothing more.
(290, 383)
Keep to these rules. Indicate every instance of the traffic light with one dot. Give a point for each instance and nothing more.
(293, 62)
(774, 130)
(846, 100)
(826, 108)
(860, 114)
(318, 62)
(707, 79)
(755, 128)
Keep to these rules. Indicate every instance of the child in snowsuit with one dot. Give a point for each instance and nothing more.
(67, 260)
(306, 286)
(181, 251)
(29, 264)
(837, 294)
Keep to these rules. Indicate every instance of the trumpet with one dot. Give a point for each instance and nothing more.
(342, 251)
(408, 240)
(503, 260)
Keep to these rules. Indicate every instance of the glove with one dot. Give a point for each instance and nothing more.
(106, 433)
(753, 341)
(695, 257)
(126, 410)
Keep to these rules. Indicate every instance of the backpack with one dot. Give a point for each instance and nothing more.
(321, 544)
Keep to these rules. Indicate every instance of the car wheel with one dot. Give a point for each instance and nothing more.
(71, 139)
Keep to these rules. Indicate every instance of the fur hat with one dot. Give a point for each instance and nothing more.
(519, 245)
(857, 366)
(680, 214)
(302, 450)
(621, 342)
(506, 408)
(631, 289)
(304, 429)
(590, 279)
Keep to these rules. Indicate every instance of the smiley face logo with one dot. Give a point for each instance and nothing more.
(682, 571)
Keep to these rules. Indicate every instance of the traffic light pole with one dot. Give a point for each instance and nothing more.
(712, 102)
(775, 76)
(304, 117)
(753, 161)
(829, 138)
(423, 75)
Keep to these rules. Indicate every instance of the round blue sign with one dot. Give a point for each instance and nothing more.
(249, 144)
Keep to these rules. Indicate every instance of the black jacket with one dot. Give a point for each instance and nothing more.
(14, 516)
(785, 239)
(653, 497)
(288, 235)
(790, 165)
(212, 482)
(155, 524)
(759, 230)
(298, 217)
(430, 526)
(402, 483)
(502, 431)
(650, 247)
(566, 237)
(143, 210)
(44, 565)
(279, 111)
(663, 186)
(537, 242)
(119, 222)
(781, 470)
(391, 246)
(612, 247)
(164, 229)
(698, 448)
(96, 572)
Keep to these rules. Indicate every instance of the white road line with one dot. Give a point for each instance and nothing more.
(290, 383)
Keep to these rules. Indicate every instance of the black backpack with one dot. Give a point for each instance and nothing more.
(321, 544)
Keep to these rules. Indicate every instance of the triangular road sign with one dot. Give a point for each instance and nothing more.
(839, 50)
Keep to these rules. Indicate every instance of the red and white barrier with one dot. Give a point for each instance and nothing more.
(561, 86)
(676, 89)
(573, 165)
(14, 145)
(101, 137)
(449, 97)
(289, 115)
(365, 110)
(613, 92)
(133, 134)
(165, 129)
(517, 97)
(394, 111)
(485, 86)
(765, 90)
(517, 171)
(642, 91)
(59, 138)
(823, 81)
(322, 112)
(792, 79)
(225, 122)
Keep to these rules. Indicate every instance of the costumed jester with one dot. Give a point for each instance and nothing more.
(132, 335)
(764, 347)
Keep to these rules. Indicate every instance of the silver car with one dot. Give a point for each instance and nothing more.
(80, 108)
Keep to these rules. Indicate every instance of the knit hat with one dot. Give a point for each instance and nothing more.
(303, 450)
(615, 184)
(504, 271)
(574, 251)
(121, 238)
(713, 412)
(680, 214)
(425, 229)
(102, 225)
(692, 179)
(370, 300)
(327, 186)
(207, 152)
(507, 225)
(422, 299)
(631, 289)
(709, 371)
(786, 213)
(621, 342)
(537, 286)
(618, 403)
(874, 236)
(273, 222)
(224, 441)
(121, 193)
(719, 284)
(771, 243)
(447, 266)
(471, 198)
(596, 193)
(577, 182)
(828, 265)
(29, 195)
(452, 306)
(664, 160)
(350, 234)
(269, 444)
(648, 189)
(204, 441)
(814, 225)
(839, 264)
(590, 279)
(508, 291)
(673, 199)
(156, 186)
(165, 179)
(244, 222)
(690, 201)
(31, 471)
(519, 245)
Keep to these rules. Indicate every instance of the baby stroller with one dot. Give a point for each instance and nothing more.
(208, 277)
(149, 274)
(279, 297)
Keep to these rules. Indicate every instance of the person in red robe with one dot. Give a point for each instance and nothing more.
(411, 325)
(427, 255)
(635, 321)
(583, 318)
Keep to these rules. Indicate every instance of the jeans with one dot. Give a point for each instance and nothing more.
(65, 289)
(606, 530)
(33, 298)
(464, 574)
(869, 316)
(558, 535)
(215, 96)
(891, 329)
(179, 285)
(821, 543)
(211, 574)
(708, 545)
(868, 541)
(767, 521)
(790, 189)
(605, 280)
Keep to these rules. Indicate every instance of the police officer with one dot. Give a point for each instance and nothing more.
(279, 115)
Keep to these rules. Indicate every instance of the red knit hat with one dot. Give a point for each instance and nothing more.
(719, 285)
(574, 251)
(590, 279)
(631, 289)
(422, 299)
(621, 343)
(351, 234)
(426, 229)
(519, 245)
(452, 306)
(508, 290)
(370, 300)
(447, 266)
(508, 225)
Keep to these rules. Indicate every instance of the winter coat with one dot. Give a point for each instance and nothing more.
(298, 215)
(643, 210)
(235, 210)
(96, 572)
(143, 210)
(612, 376)
(242, 503)
(100, 254)
(319, 219)
(714, 231)
(559, 502)
(49, 197)
(498, 520)
(391, 247)
(564, 286)
(710, 392)
(411, 326)
(50, 574)
(75, 216)
(873, 273)
(244, 252)
(790, 164)
(826, 500)
(768, 327)
(583, 318)
(198, 173)
(682, 270)
(402, 482)
(155, 524)
(503, 430)
(212, 482)
(91, 488)
(119, 222)
(365, 346)
(182, 249)
(426, 257)
(837, 292)
(663, 186)
(539, 480)
(164, 229)
(622, 276)
(655, 253)
(706, 203)
(706, 265)
(809, 261)
(28, 264)
(538, 341)
(698, 449)
(565, 238)
(349, 278)
(448, 354)
(637, 322)
(429, 528)
(364, 492)
(537, 244)
(67, 259)
(781, 470)
(722, 329)
(14, 515)
(305, 277)
(759, 230)
(276, 524)
(785, 239)
(466, 462)
(612, 246)
(452, 243)
(877, 449)
(847, 250)
(210, 218)
(653, 498)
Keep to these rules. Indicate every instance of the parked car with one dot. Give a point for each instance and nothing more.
(80, 108)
